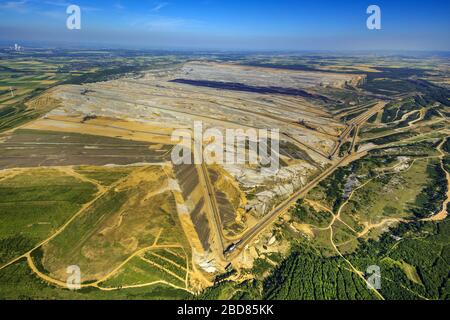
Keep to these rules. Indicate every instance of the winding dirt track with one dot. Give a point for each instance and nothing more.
(86, 206)
(101, 191)
(285, 205)
(251, 234)
(441, 215)
(368, 226)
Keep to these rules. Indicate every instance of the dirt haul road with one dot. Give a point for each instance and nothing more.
(234, 250)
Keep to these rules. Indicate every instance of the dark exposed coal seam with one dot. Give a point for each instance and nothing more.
(243, 87)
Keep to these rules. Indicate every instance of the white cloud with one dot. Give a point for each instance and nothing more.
(63, 3)
(58, 15)
(159, 6)
(59, 3)
(20, 6)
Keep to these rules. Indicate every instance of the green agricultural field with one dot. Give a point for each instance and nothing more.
(34, 204)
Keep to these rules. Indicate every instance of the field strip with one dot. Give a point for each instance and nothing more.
(174, 253)
(115, 270)
(168, 260)
(186, 258)
(162, 268)
(157, 237)
(71, 172)
(143, 250)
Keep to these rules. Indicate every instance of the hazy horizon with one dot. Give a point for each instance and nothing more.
(232, 25)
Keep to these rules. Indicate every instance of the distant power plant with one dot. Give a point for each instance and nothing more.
(17, 48)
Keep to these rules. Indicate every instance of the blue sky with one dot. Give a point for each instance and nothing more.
(232, 24)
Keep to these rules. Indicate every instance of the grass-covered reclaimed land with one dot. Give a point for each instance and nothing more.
(52, 213)
(34, 204)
